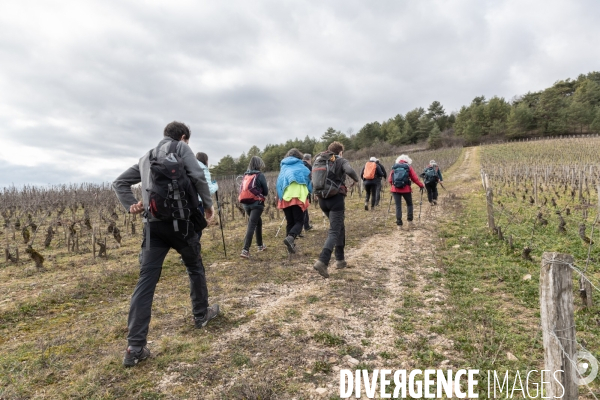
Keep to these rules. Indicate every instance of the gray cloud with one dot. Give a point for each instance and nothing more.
(86, 88)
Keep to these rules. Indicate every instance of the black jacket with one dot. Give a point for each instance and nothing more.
(382, 170)
(378, 175)
(261, 181)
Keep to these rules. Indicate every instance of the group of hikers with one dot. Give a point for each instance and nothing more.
(177, 205)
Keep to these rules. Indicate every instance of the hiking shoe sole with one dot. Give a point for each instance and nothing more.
(132, 359)
(321, 268)
(211, 312)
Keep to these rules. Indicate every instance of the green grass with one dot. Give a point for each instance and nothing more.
(494, 310)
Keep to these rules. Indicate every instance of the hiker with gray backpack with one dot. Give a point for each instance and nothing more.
(171, 182)
(328, 179)
(431, 176)
(400, 179)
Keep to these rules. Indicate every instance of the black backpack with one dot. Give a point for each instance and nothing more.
(400, 175)
(172, 196)
(326, 178)
(430, 175)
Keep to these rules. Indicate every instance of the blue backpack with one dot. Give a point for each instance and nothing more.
(430, 175)
(400, 175)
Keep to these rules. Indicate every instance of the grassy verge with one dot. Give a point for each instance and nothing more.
(493, 291)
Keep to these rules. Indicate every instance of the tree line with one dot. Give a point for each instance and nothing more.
(567, 107)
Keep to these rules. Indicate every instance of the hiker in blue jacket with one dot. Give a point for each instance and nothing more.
(431, 176)
(293, 189)
(202, 158)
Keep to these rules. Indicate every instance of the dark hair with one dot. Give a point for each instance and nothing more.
(336, 148)
(256, 164)
(202, 157)
(177, 130)
(294, 153)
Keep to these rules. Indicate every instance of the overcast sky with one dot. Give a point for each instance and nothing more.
(86, 87)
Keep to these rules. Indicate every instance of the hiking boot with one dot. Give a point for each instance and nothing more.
(308, 229)
(211, 312)
(341, 264)
(245, 254)
(431, 203)
(132, 357)
(435, 202)
(300, 235)
(366, 207)
(289, 242)
(321, 268)
(262, 247)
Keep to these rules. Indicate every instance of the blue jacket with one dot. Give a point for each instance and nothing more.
(292, 169)
(213, 186)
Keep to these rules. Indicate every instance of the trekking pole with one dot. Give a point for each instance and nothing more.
(388, 211)
(420, 204)
(442, 185)
(280, 225)
(220, 222)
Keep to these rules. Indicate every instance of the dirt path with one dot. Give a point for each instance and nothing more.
(381, 312)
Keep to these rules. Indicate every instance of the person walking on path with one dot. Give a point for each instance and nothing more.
(202, 158)
(307, 163)
(162, 235)
(333, 205)
(431, 176)
(378, 190)
(293, 189)
(371, 174)
(400, 180)
(252, 196)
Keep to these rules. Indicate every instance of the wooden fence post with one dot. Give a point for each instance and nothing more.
(489, 195)
(535, 187)
(558, 324)
(580, 184)
(598, 188)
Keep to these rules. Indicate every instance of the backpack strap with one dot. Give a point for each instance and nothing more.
(173, 146)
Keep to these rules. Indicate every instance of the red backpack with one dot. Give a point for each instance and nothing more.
(249, 191)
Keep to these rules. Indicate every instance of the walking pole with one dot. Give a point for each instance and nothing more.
(280, 225)
(388, 211)
(420, 204)
(220, 222)
(442, 185)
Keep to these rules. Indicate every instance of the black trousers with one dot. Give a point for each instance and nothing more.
(306, 220)
(334, 208)
(378, 191)
(294, 217)
(371, 190)
(432, 192)
(163, 238)
(409, 206)
(254, 226)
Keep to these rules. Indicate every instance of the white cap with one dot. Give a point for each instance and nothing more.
(432, 162)
(372, 159)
